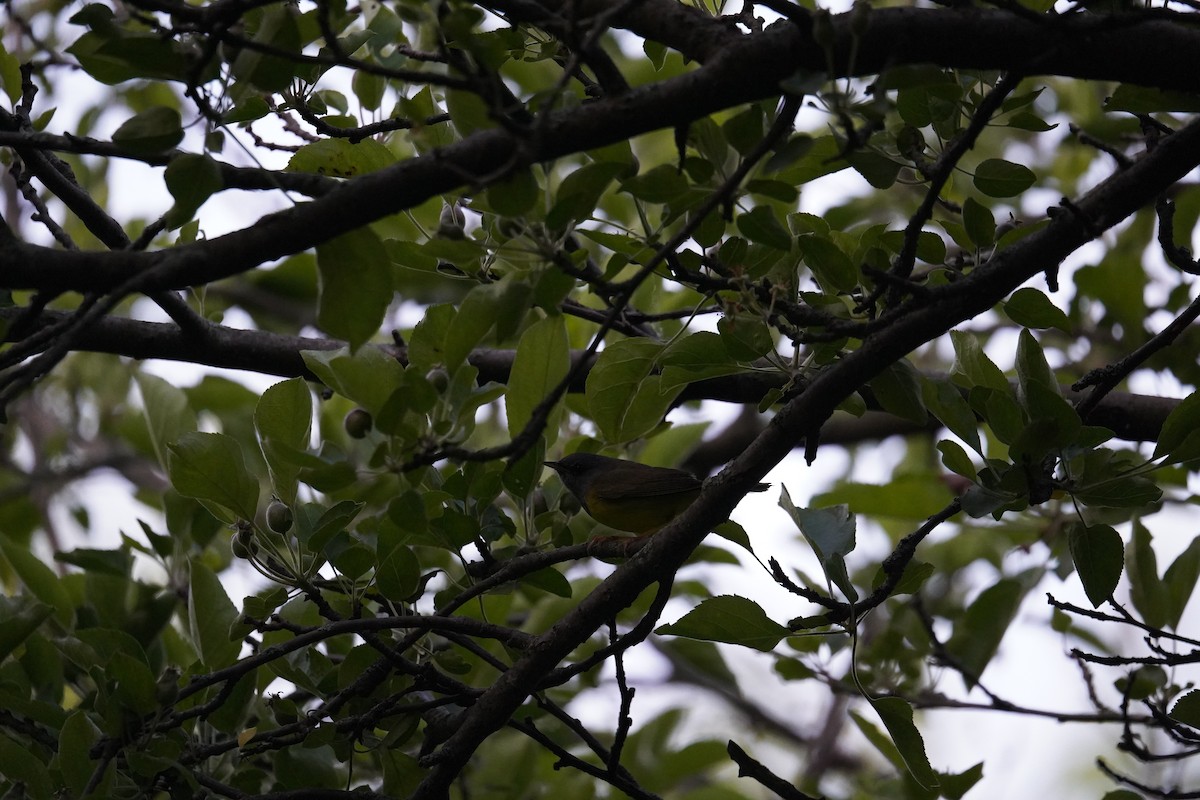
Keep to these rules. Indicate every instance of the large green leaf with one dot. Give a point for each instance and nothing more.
(730, 619)
(210, 468)
(191, 179)
(1179, 439)
(367, 377)
(39, 579)
(151, 132)
(339, 158)
(542, 361)
(897, 716)
(356, 285)
(624, 396)
(1147, 591)
(996, 177)
(977, 636)
(831, 533)
(167, 413)
(1099, 555)
(20, 617)
(1033, 309)
(283, 418)
(211, 616)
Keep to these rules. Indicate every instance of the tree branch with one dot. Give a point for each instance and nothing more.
(1148, 49)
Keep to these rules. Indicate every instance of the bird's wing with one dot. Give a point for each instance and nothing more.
(651, 482)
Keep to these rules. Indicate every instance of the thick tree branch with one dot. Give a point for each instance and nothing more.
(1132, 417)
(1149, 49)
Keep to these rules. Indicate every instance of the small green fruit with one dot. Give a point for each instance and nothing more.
(438, 378)
(358, 423)
(279, 517)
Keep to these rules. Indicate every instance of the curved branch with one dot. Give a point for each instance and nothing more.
(1132, 417)
(1147, 49)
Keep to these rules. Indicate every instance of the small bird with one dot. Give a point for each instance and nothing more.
(626, 495)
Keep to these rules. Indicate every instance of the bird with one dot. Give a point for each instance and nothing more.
(628, 496)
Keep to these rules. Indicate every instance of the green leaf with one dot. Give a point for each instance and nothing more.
(276, 28)
(831, 534)
(744, 130)
(898, 390)
(897, 716)
(662, 184)
(210, 467)
(745, 336)
(283, 419)
(1148, 593)
(922, 104)
(875, 168)
(249, 110)
(954, 786)
(760, 225)
(135, 684)
(398, 574)
(333, 520)
(368, 88)
(118, 563)
(542, 361)
(832, 268)
(1031, 308)
(10, 75)
(996, 177)
(956, 459)
(978, 634)
(211, 615)
(548, 580)
(151, 132)
(368, 377)
(1122, 491)
(697, 357)
(979, 223)
(339, 158)
(19, 618)
(971, 363)
(1001, 412)
(1032, 366)
(468, 111)
(191, 179)
(931, 248)
(1179, 439)
(1187, 709)
(515, 195)
(1028, 121)
(1099, 555)
(944, 400)
(24, 770)
(624, 398)
(500, 305)
(580, 191)
(75, 742)
(1149, 100)
(355, 286)
(1180, 579)
(788, 153)
(821, 158)
(907, 497)
(39, 579)
(911, 580)
(730, 619)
